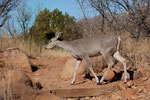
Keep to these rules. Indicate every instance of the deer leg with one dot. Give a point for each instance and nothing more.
(75, 72)
(91, 69)
(108, 58)
(110, 63)
(118, 57)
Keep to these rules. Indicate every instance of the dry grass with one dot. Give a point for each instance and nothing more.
(136, 51)
(31, 48)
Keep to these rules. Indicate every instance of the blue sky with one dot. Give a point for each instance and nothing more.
(69, 6)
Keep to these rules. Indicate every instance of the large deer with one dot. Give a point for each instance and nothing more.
(105, 45)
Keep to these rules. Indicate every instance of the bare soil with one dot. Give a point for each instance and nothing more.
(47, 72)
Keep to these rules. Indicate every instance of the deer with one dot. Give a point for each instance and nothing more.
(101, 44)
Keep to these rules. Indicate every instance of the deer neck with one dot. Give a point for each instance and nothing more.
(64, 44)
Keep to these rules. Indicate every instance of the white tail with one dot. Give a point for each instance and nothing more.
(118, 43)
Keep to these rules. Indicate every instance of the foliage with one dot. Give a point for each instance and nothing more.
(47, 23)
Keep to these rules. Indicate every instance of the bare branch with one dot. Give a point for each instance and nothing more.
(6, 6)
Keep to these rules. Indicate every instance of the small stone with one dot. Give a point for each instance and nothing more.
(70, 99)
(140, 90)
(134, 87)
(128, 76)
(86, 98)
(79, 79)
(110, 75)
(145, 78)
(129, 84)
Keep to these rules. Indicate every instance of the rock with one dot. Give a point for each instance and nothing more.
(87, 98)
(14, 58)
(128, 76)
(47, 96)
(140, 90)
(98, 64)
(110, 75)
(17, 76)
(145, 78)
(17, 85)
(129, 84)
(80, 79)
(69, 68)
(118, 69)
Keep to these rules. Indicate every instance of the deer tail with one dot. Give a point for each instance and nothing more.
(118, 43)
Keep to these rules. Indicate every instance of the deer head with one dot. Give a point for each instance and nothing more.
(52, 42)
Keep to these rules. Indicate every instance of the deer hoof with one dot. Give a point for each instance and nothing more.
(72, 83)
(99, 83)
(125, 82)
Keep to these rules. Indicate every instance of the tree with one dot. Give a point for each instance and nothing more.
(131, 15)
(41, 27)
(23, 17)
(6, 6)
(47, 23)
(10, 27)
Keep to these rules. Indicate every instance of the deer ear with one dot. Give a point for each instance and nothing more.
(58, 34)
